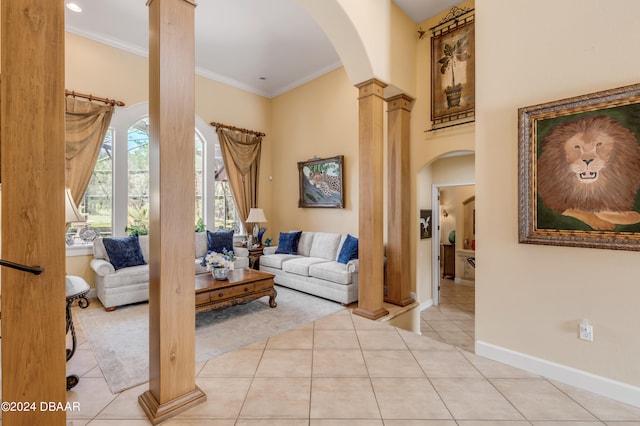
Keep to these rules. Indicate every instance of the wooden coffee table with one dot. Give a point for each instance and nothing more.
(242, 286)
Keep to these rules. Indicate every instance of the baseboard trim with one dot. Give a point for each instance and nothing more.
(603, 386)
(426, 304)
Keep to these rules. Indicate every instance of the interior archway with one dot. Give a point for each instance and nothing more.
(340, 27)
(448, 169)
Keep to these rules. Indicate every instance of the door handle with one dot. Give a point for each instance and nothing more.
(35, 270)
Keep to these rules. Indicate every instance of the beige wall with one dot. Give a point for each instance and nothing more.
(452, 199)
(427, 147)
(531, 298)
(403, 52)
(320, 119)
(97, 69)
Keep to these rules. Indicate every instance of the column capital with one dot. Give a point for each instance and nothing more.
(372, 87)
(191, 2)
(400, 101)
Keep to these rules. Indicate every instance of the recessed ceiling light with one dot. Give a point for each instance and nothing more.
(74, 7)
(263, 78)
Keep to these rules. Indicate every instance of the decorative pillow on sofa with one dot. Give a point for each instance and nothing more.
(288, 242)
(124, 252)
(218, 242)
(349, 250)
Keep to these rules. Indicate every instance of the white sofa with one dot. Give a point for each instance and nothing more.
(131, 284)
(315, 269)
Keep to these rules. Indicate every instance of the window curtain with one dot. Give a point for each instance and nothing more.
(241, 156)
(86, 124)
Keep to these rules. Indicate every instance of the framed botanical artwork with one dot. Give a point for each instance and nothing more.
(321, 182)
(579, 171)
(453, 61)
(425, 224)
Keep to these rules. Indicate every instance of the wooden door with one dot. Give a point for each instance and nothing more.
(32, 173)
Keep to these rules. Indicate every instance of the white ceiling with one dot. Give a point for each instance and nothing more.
(266, 47)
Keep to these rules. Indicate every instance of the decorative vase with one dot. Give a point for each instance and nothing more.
(220, 273)
(452, 237)
(453, 95)
(260, 234)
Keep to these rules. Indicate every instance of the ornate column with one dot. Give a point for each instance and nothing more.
(398, 213)
(370, 218)
(33, 221)
(172, 387)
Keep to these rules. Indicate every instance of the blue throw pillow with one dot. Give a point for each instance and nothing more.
(218, 241)
(124, 252)
(349, 250)
(288, 242)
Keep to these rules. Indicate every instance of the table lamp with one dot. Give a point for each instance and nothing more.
(256, 216)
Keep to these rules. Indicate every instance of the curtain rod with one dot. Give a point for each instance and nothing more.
(237, 129)
(108, 101)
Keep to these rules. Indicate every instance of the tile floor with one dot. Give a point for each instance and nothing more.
(347, 370)
(453, 320)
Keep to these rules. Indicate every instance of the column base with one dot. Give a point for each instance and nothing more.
(401, 302)
(157, 413)
(372, 315)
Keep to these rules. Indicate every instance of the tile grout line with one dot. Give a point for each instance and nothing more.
(253, 377)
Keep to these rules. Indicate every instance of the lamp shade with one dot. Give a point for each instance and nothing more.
(71, 212)
(256, 215)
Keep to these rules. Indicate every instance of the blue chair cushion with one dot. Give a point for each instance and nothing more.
(349, 250)
(124, 252)
(288, 242)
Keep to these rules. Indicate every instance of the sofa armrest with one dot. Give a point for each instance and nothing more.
(352, 265)
(241, 251)
(102, 267)
(269, 250)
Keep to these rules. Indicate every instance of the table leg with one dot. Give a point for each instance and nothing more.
(70, 326)
(83, 302)
(272, 299)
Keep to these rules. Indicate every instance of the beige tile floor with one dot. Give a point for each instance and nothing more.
(347, 370)
(453, 320)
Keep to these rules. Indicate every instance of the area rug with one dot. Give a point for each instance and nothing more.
(120, 339)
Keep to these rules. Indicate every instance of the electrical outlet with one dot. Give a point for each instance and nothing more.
(586, 331)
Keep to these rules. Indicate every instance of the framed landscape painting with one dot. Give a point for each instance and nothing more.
(579, 171)
(321, 182)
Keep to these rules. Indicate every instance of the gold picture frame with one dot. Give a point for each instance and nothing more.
(579, 171)
(321, 182)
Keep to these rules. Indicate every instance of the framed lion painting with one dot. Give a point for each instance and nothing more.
(579, 171)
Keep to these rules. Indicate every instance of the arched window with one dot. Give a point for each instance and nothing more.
(117, 199)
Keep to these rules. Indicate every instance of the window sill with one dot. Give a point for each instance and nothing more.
(80, 250)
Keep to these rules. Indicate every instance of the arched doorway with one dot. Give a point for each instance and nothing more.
(449, 170)
(447, 186)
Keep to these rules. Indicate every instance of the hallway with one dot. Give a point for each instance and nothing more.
(452, 321)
